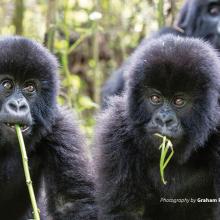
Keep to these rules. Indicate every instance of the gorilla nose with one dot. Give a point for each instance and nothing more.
(167, 120)
(17, 107)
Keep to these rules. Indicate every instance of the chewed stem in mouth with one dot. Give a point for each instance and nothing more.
(23, 127)
(164, 147)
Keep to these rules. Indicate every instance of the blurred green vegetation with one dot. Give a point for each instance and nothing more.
(91, 38)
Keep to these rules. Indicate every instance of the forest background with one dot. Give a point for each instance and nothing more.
(91, 39)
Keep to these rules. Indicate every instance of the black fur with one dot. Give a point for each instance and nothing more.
(115, 85)
(57, 159)
(196, 19)
(129, 186)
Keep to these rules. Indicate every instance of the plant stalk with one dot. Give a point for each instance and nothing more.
(27, 173)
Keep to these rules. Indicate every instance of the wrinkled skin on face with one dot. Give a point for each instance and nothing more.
(166, 113)
(16, 105)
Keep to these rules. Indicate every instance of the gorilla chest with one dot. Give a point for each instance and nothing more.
(179, 198)
(12, 179)
(10, 169)
(184, 181)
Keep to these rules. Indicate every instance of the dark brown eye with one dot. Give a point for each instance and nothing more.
(156, 99)
(7, 84)
(179, 102)
(214, 10)
(30, 88)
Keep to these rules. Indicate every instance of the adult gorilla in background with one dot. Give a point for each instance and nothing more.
(55, 147)
(201, 18)
(198, 18)
(173, 90)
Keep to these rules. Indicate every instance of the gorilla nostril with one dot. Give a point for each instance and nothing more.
(16, 107)
(159, 121)
(12, 106)
(23, 107)
(164, 120)
(169, 122)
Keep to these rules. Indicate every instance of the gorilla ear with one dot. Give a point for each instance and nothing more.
(188, 16)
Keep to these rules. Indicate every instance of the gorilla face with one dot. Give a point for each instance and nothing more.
(201, 18)
(25, 97)
(172, 90)
(166, 113)
(208, 24)
(15, 99)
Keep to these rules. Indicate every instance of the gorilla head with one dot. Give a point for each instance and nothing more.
(28, 87)
(201, 18)
(172, 90)
(55, 146)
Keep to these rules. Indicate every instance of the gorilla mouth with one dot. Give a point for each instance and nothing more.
(23, 127)
(171, 134)
(164, 134)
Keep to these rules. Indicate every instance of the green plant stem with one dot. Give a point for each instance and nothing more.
(169, 145)
(27, 173)
(78, 42)
(162, 157)
(164, 147)
(160, 8)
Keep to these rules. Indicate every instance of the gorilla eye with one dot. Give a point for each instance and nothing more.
(179, 102)
(29, 88)
(156, 99)
(214, 10)
(7, 84)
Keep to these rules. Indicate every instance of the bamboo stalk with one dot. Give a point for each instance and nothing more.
(160, 13)
(19, 16)
(27, 173)
(51, 24)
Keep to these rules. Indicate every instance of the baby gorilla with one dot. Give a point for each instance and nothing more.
(55, 148)
(173, 90)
